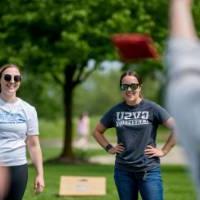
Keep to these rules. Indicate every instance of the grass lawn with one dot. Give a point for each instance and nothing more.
(55, 130)
(177, 185)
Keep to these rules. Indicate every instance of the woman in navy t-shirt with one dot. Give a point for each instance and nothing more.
(137, 165)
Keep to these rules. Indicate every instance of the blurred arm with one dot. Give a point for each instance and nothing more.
(171, 141)
(181, 21)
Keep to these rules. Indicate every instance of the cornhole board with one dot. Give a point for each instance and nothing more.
(82, 186)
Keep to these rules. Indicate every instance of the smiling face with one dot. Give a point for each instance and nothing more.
(10, 81)
(131, 89)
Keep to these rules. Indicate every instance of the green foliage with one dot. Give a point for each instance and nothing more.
(42, 92)
(196, 7)
(41, 35)
(58, 38)
(51, 129)
(100, 92)
(49, 36)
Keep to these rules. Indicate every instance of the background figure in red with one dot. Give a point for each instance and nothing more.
(83, 129)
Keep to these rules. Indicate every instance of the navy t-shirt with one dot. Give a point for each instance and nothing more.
(136, 127)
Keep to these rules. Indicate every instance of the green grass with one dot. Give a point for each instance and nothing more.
(51, 129)
(177, 185)
(54, 152)
(55, 130)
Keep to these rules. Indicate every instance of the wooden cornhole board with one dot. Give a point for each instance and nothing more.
(82, 186)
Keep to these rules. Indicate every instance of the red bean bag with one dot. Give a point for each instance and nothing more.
(133, 46)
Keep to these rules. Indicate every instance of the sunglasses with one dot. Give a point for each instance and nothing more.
(16, 78)
(125, 87)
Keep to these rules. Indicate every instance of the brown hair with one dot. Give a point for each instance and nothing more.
(130, 73)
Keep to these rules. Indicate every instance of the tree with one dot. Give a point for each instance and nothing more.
(59, 37)
(100, 87)
(40, 90)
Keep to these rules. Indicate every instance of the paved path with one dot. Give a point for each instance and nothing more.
(174, 157)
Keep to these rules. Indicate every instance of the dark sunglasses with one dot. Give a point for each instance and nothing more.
(8, 78)
(125, 87)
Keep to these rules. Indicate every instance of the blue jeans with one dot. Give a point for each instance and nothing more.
(148, 183)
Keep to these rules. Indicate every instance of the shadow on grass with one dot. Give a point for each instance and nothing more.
(52, 155)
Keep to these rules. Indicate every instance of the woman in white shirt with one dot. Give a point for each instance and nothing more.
(18, 128)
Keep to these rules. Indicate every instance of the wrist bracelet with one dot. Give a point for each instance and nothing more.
(108, 147)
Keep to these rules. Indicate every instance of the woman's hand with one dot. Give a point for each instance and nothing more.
(119, 148)
(39, 184)
(36, 157)
(151, 151)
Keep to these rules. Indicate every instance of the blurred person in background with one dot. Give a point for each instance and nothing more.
(137, 164)
(18, 129)
(83, 130)
(183, 93)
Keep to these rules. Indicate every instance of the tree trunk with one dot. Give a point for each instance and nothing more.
(67, 153)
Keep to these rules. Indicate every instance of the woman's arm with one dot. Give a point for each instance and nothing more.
(171, 141)
(181, 22)
(100, 138)
(33, 145)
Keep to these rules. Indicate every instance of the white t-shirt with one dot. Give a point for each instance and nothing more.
(17, 120)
